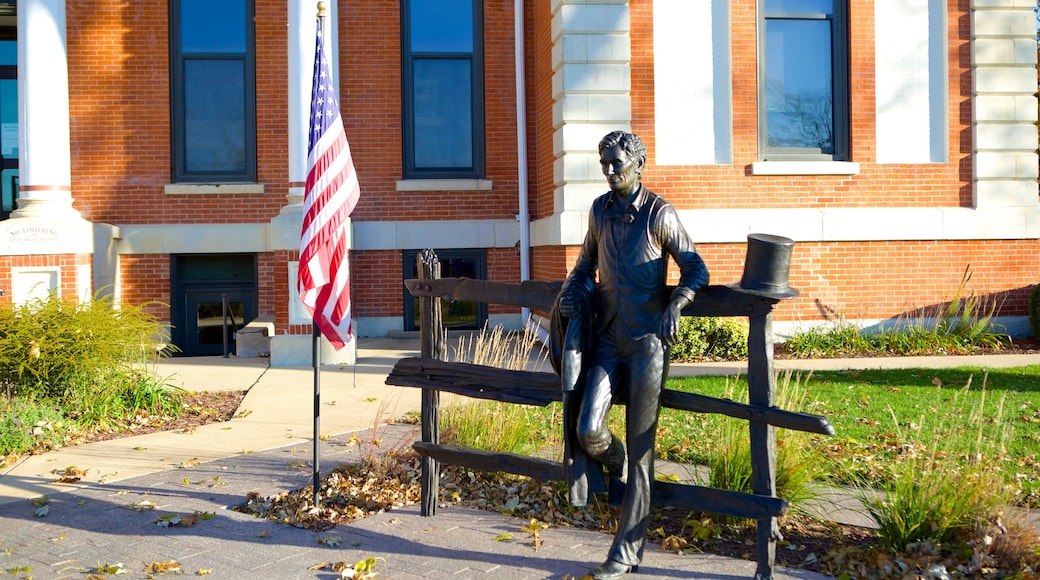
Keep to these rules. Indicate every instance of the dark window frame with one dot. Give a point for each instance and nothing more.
(840, 97)
(408, 59)
(178, 137)
(409, 270)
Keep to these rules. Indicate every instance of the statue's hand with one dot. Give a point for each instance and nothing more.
(570, 306)
(669, 332)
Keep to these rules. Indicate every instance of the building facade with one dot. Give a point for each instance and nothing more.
(156, 151)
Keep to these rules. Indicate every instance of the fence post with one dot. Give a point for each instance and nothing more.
(432, 344)
(762, 393)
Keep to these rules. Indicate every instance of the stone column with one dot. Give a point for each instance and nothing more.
(294, 349)
(44, 223)
(591, 87)
(1005, 106)
(44, 163)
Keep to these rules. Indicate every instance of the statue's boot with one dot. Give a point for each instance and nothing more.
(611, 570)
(616, 462)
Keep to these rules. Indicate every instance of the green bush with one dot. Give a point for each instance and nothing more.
(1034, 311)
(79, 365)
(710, 338)
(27, 426)
(51, 347)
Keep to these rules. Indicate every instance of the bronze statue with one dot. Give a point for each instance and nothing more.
(611, 339)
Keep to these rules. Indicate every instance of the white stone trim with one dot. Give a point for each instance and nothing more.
(911, 88)
(824, 224)
(34, 282)
(444, 185)
(213, 188)
(804, 168)
(692, 112)
(446, 234)
(193, 238)
(1004, 105)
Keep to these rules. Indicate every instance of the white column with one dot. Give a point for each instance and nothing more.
(302, 17)
(44, 222)
(591, 88)
(44, 162)
(1004, 112)
(286, 349)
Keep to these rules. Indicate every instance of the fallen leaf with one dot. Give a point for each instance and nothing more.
(172, 566)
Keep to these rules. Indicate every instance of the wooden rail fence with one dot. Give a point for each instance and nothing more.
(433, 374)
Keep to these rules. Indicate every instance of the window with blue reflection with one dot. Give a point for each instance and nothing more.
(443, 89)
(214, 109)
(8, 52)
(798, 84)
(213, 27)
(803, 81)
(443, 114)
(214, 116)
(800, 6)
(441, 26)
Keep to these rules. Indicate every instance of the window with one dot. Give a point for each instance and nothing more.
(455, 314)
(213, 92)
(443, 89)
(803, 86)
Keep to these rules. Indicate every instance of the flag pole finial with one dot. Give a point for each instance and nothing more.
(323, 7)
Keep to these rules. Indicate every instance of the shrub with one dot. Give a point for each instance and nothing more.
(49, 347)
(77, 364)
(703, 337)
(1034, 311)
(27, 426)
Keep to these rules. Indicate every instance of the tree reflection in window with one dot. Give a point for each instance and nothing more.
(803, 92)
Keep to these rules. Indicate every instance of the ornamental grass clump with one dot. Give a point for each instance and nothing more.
(963, 325)
(797, 469)
(494, 425)
(935, 493)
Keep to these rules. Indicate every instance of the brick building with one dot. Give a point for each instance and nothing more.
(156, 150)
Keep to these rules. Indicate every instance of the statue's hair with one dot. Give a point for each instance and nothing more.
(630, 142)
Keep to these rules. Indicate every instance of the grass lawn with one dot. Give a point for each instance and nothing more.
(883, 416)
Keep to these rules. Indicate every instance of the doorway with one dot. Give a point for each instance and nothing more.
(212, 297)
(8, 121)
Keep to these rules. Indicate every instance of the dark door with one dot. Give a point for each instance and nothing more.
(207, 314)
(212, 296)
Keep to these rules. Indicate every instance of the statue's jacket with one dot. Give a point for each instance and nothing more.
(629, 249)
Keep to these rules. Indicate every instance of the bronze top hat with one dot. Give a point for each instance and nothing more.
(766, 267)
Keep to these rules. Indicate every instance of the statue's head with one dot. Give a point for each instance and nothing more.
(630, 142)
(622, 156)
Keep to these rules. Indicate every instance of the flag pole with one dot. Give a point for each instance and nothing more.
(316, 363)
(316, 336)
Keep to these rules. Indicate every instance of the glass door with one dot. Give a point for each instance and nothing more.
(8, 123)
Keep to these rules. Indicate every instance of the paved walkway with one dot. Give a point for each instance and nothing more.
(267, 449)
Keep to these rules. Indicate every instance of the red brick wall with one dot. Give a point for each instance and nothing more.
(119, 104)
(149, 282)
(370, 80)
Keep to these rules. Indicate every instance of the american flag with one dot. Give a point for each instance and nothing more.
(332, 191)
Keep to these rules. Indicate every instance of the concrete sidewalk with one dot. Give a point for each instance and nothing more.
(267, 449)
